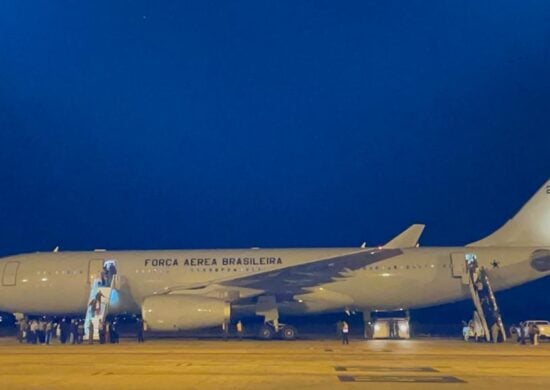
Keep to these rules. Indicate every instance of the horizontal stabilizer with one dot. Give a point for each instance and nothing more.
(408, 238)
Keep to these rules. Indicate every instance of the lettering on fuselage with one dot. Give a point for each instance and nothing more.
(161, 262)
(207, 261)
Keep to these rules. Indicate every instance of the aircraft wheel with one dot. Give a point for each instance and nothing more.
(266, 332)
(289, 333)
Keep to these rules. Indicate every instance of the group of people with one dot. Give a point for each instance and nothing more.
(43, 331)
(522, 333)
(106, 330)
(474, 330)
(525, 331)
(69, 331)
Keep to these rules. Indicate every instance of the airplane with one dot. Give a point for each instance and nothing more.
(190, 289)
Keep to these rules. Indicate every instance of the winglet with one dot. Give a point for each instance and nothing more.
(408, 238)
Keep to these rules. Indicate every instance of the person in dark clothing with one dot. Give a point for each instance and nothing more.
(140, 338)
(240, 329)
(111, 272)
(531, 333)
(64, 331)
(521, 333)
(369, 330)
(49, 332)
(104, 276)
(74, 332)
(345, 333)
(80, 332)
(102, 331)
(114, 332)
(22, 330)
(42, 331)
(339, 326)
(537, 334)
(514, 333)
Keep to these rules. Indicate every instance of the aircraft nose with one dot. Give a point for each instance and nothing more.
(540, 260)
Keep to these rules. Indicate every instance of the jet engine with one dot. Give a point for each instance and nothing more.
(183, 312)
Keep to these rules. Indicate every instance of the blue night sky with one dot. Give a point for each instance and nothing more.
(179, 124)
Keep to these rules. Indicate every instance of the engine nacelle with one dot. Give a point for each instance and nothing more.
(183, 312)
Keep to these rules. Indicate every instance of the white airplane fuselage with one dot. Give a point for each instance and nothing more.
(59, 283)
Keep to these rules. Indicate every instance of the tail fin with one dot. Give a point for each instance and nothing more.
(529, 227)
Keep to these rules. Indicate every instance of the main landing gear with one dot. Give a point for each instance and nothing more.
(267, 308)
(272, 329)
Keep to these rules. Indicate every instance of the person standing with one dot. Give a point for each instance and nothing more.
(345, 333)
(22, 330)
(101, 329)
(478, 327)
(536, 333)
(34, 331)
(495, 330)
(391, 325)
(114, 332)
(531, 333)
(107, 331)
(63, 331)
(240, 330)
(42, 331)
(369, 330)
(225, 330)
(521, 333)
(49, 330)
(91, 332)
(140, 338)
(80, 331)
(514, 333)
(74, 331)
(55, 331)
(339, 326)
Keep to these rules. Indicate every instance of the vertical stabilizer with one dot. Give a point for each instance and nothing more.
(529, 227)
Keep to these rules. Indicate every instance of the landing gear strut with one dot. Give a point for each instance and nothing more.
(269, 330)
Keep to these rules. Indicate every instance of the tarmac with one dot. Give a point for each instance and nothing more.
(251, 364)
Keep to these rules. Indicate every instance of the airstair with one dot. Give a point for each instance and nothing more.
(481, 291)
(98, 306)
(489, 299)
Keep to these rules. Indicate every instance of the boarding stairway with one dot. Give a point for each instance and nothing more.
(96, 313)
(484, 298)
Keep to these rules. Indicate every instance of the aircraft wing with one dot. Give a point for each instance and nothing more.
(408, 238)
(297, 279)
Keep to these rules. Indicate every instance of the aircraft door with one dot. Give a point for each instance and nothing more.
(94, 270)
(460, 263)
(9, 276)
